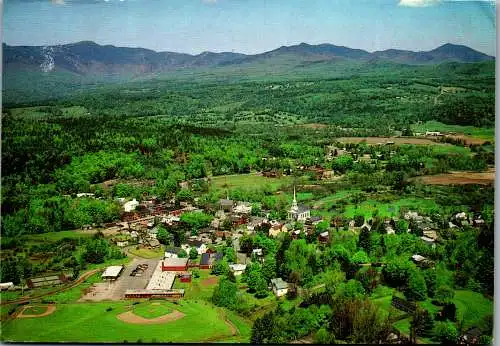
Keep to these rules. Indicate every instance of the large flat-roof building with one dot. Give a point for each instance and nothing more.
(161, 280)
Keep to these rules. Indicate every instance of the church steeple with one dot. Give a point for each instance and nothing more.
(294, 203)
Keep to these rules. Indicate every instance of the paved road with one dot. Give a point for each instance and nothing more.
(242, 258)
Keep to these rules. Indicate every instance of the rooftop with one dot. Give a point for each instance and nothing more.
(112, 271)
(279, 283)
(161, 280)
(174, 262)
(238, 267)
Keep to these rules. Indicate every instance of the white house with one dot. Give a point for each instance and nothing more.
(130, 205)
(237, 269)
(243, 208)
(280, 287)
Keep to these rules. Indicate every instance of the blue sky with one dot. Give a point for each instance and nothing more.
(252, 26)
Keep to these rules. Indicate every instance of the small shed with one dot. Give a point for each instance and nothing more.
(185, 277)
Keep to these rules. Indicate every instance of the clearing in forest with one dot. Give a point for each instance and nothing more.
(459, 178)
(384, 140)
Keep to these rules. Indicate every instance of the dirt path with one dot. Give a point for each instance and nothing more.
(75, 283)
(50, 309)
(130, 317)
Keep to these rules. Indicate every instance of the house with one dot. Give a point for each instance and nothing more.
(314, 220)
(152, 243)
(471, 336)
(298, 213)
(257, 252)
(226, 205)
(276, 228)
(431, 234)
(255, 221)
(237, 269)
(200, 246)
(295, 234)
(6, 286)
(174, 264)
(80, 195)
(421, 261)
(172, 252)
(112, 273)
(433, 133)
(279, 287)
(121, 243)
(207, 260)
(323, 237)
(130, 205)
(244, 208)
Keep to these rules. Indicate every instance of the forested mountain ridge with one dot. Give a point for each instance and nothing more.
(89, 58)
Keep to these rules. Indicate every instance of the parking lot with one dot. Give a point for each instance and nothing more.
(115, 290)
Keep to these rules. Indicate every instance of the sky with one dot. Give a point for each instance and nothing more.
(252, 26)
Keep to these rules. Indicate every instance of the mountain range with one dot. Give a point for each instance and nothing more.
(88, 58)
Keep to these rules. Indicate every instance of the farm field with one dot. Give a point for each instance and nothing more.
(459, 178)
(467, 132)
(91, 322)
(384, 140)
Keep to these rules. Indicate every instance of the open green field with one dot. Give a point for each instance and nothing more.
(90, 322)
(56, 236)
(147, 253)
(199, 288)
(476, 132)
(249, 180)
(366, 208)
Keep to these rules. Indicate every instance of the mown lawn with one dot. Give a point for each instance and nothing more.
(56, 236)
(248, 180)
(366, 208)
(472, 307)
(199, 288)
(90, 322)
(146, 253)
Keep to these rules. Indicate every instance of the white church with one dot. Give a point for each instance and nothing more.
(298, 213)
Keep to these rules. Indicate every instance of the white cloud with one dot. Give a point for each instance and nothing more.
(58, 2)
(210, 2)
(418, 3)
